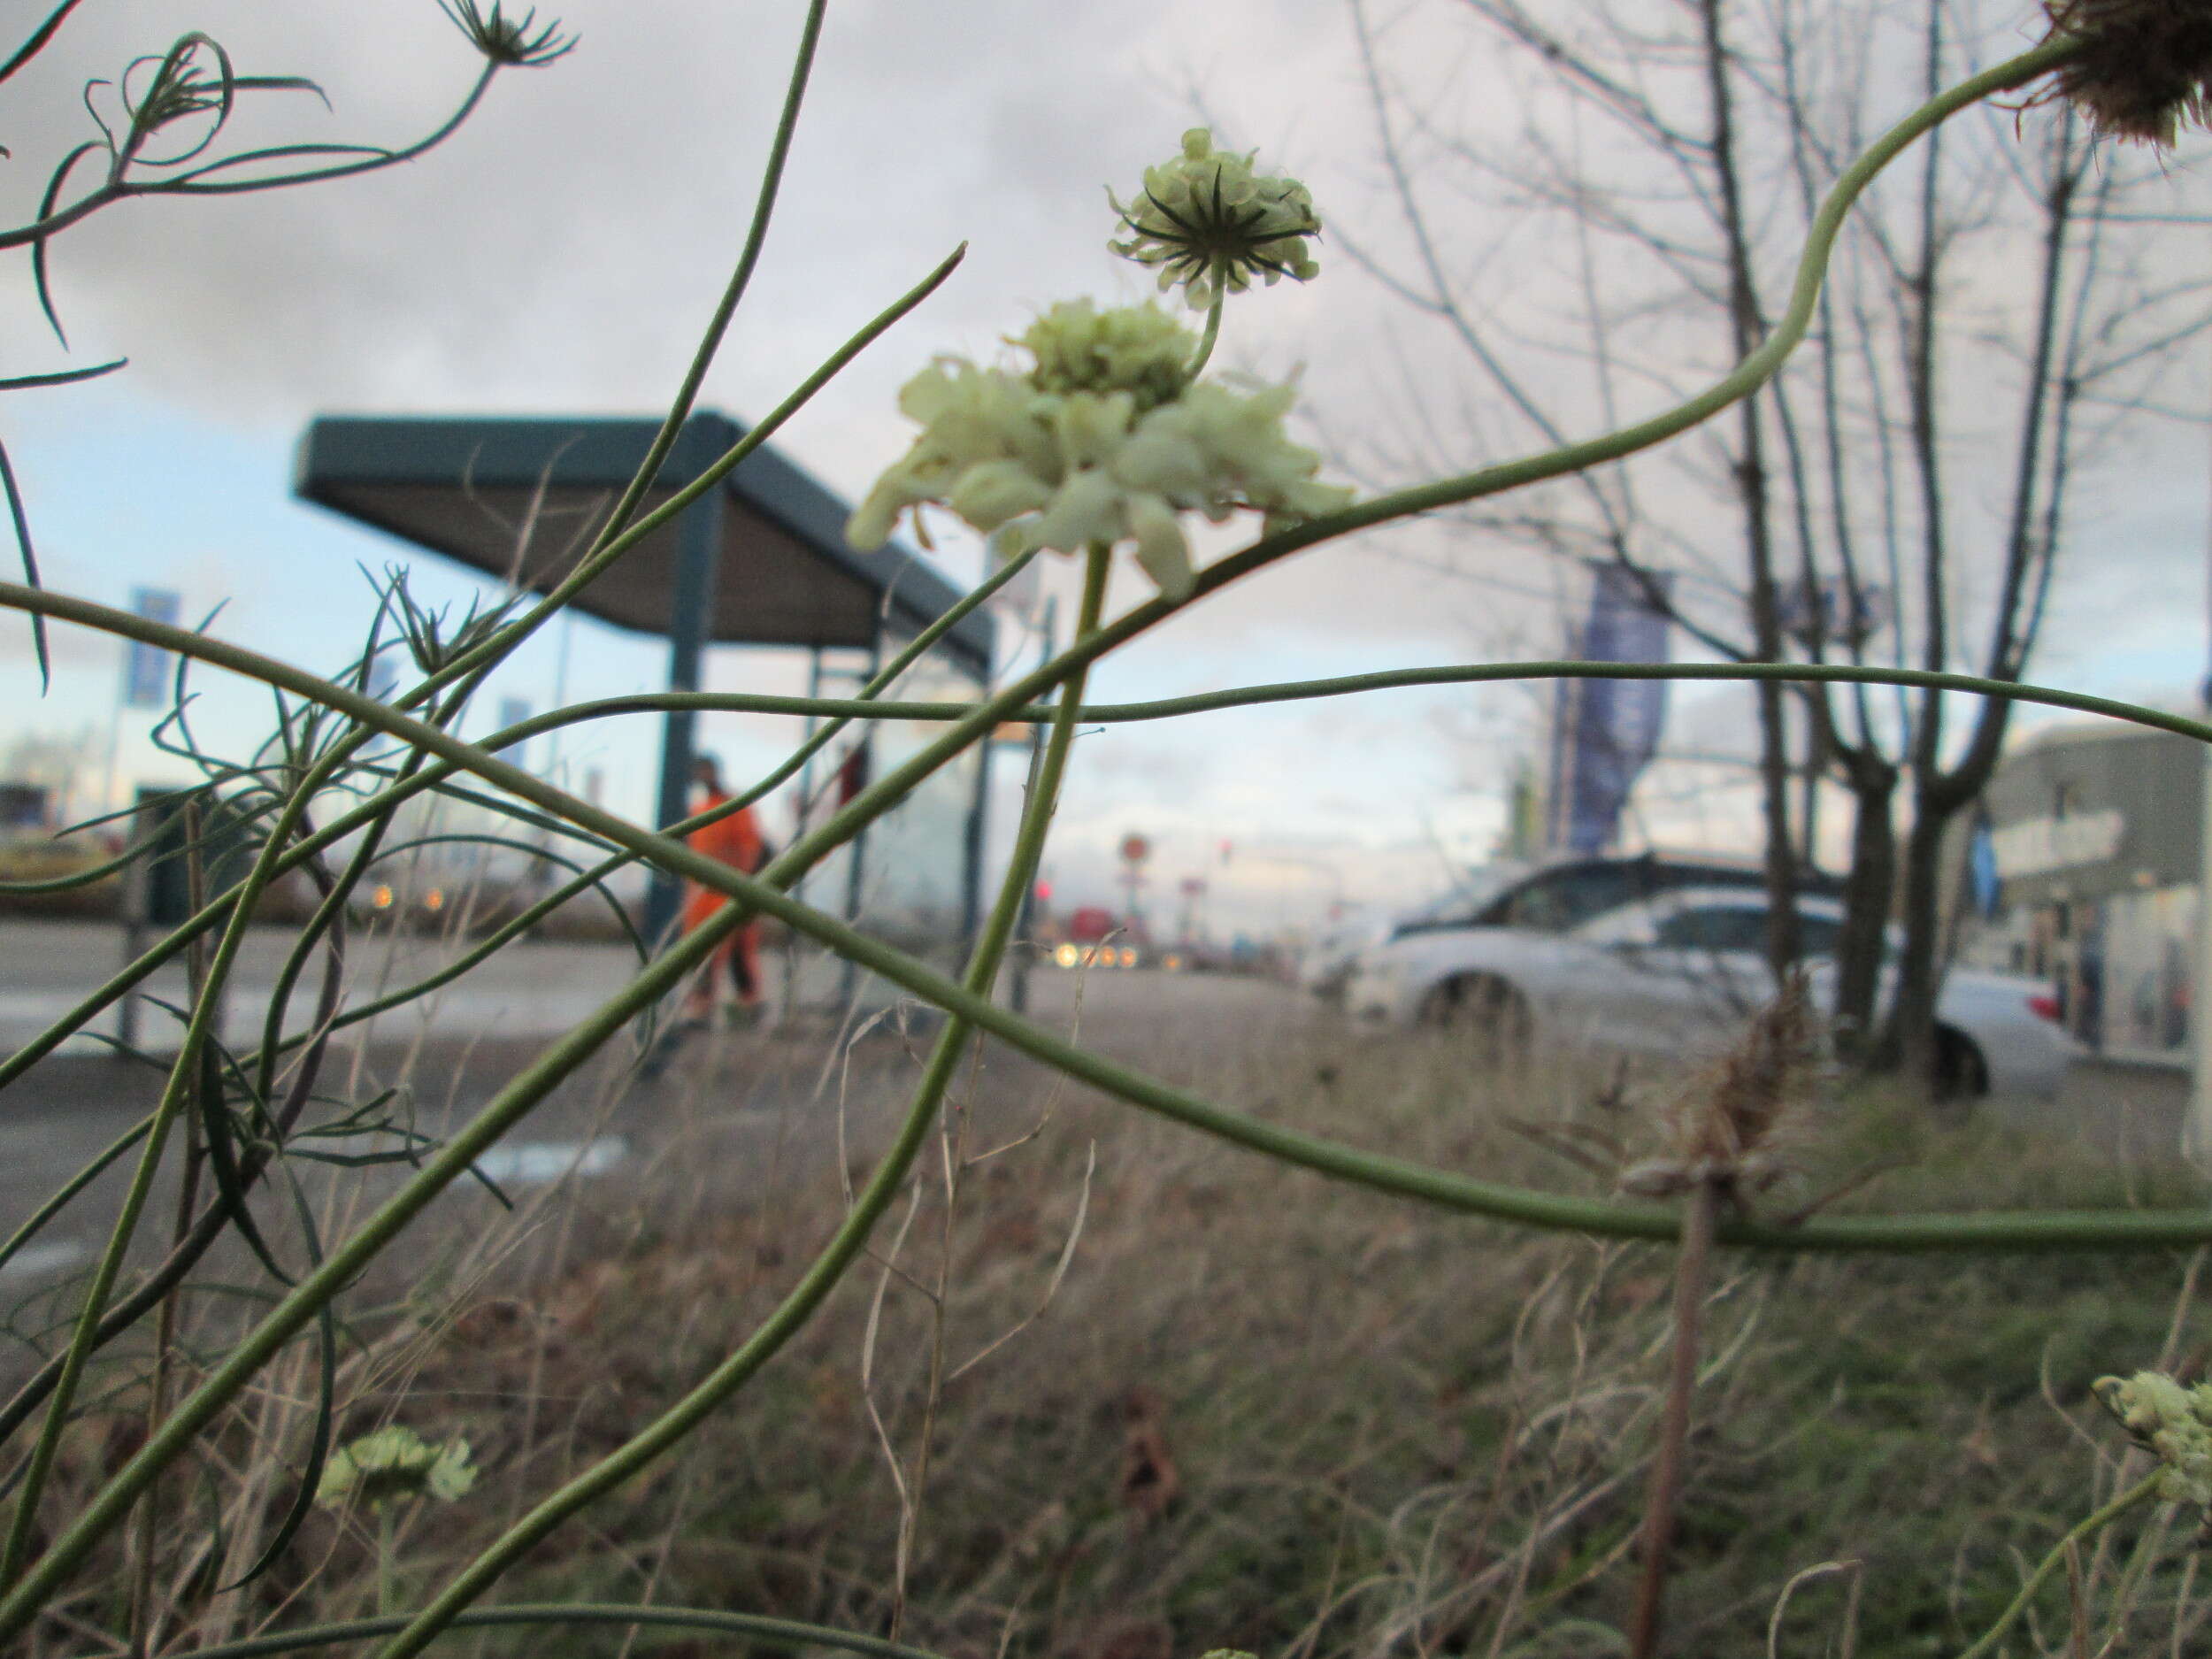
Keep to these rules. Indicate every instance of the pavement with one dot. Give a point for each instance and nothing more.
(737, 1113)
(741, 1113)
(533, 990)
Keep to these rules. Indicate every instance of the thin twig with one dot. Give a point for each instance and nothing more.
(1700, 1208)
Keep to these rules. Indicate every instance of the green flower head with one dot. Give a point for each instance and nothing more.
(1209, 223)
(1139, 349)
(2162, 1415)
(393, 1465)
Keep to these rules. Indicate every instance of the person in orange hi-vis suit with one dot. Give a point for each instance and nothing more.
(734, 841)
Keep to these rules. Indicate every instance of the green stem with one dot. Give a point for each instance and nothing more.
(1994, 1230)
(851, 1237)
(1760, 364)
(17, 1064)
(1741, 382)
(1753, 373)
(1213, 330)
(375, 811)
(842, 711)
(2134, 1497)
(503, 642)
(69, 1189)
(845, 711)
(860, 707)
(384, 1530)
(781, 1632)
(688, 394)
(2033, 1231)
(207, 1003)
(119, 189)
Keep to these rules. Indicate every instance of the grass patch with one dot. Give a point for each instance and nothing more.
(1262, 1411)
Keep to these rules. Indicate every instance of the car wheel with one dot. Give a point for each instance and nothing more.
(1488, 1014)
(1962, 1076)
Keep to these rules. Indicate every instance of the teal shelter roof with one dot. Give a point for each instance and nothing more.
(518, 498)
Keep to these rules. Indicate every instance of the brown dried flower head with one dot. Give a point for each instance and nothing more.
(2144, 67)
(1740, 1123)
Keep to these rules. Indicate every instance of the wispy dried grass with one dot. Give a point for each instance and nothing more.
(1258, 1410)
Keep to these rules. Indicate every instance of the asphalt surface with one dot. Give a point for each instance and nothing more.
(736, 1114)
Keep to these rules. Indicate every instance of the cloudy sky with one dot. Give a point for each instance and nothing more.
(560, 253)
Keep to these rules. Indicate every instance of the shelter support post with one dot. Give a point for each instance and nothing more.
(855, 867)
(792, 942)
(690, 625)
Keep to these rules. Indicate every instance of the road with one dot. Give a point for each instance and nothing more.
(755, 1108)
(740, 1113)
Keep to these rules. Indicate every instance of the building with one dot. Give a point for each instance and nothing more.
(2087, 864)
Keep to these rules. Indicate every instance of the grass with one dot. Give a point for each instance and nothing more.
(1259, 1412)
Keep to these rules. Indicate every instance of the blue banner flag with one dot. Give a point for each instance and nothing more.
(147, 668)
(1605, 732)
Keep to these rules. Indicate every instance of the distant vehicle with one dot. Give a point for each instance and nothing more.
(1548, 899)
(1091, 923)
(1071, 955)
(1676, 975)
(1564, 894)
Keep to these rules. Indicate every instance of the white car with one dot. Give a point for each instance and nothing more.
(1677, 976)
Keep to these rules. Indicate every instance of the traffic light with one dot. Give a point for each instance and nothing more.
(1044, 893)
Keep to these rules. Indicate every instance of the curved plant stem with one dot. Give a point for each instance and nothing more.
(844, 710)
(1740, 383)
(2134, 1497)
(687, 397)
(1753, 373)
(119, 190)
(851, 1237)
(765, 897)
(30, 1053)
(841, 710)
(1213, 331)
(59, 1198)
(781, 1632)
(207, 1001)
(861, 706)
(2037, 1231)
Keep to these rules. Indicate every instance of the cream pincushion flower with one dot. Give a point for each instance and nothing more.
(1137, 349)
(1100, 442)
(1206, 218)
(393, 1464)
(2173, 1421)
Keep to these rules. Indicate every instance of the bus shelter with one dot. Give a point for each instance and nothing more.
(760, 560)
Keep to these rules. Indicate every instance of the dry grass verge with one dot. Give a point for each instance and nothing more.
(1258, 1411)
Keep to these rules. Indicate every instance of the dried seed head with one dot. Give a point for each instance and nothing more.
(2144, 67)
(1736, 1124)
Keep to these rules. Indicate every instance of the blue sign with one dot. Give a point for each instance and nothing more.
(147, 668)
(1606, 730)
(1984, 882)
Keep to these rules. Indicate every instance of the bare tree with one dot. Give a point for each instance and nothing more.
(1993, 320)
